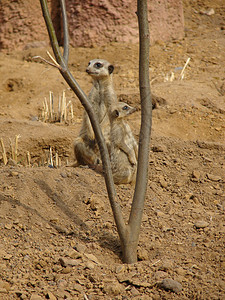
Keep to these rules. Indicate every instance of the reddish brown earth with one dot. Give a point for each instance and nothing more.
(58, 238)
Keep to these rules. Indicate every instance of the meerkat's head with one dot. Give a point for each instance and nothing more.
(122, 110)
(99, 68)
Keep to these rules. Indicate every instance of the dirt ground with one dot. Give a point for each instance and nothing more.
(58, 238)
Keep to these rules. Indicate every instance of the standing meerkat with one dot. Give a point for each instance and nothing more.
(124, 147)
(102, 97)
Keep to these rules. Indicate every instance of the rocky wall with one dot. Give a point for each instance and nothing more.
(91, 22)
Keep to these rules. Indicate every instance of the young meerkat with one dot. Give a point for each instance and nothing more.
(102, 96)
(124, 147)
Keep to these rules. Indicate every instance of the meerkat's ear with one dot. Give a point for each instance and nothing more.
(110, 68)
(115, 113)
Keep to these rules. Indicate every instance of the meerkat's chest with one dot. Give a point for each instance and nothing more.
(128, 135)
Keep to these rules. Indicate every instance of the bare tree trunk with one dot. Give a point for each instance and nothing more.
(129, 234)
(134, 224)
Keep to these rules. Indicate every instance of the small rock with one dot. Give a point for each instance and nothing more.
(77, 287)
(159, 213)
(159, 275)
(8, 226)
(7, 256)
(4, 285)
(96, 203)
(68, 262)
(159, 148)
(196, 174)
(180, 271)
(134, 292)
(63, 175)
(14, 173)
(50, 296)
(113, 288)
(3, 290)
(201, 224)
(119, 269)
(166, 265)
(36, 297)
(208, 12)
(142, 254)
(163, 183)
(169, 284)
(89, 265)
(80, 248)
(74, 254)
(213, 177)
(67, 270)
(92, 257)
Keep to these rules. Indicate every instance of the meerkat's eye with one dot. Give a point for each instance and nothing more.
(89, 63)
(125, 107)
(98, 65)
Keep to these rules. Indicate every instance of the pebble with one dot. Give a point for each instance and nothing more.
(36, 297)
(163, 183)
(159, 275)
(169, 284)
(92, 257)
(142, 254)
(50, 296)
(68, 262)
(4, 285)
(96, 203)
(201, 224)
(213, 177)
(196, 174)
(120, 269)
(159, 148)
(113, 288)
(14, 173)
(80, 248)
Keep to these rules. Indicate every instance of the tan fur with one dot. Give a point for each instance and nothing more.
(124, 147)
(102, 97)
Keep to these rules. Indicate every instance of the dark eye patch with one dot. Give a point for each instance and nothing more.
(125, 107)
(98, 65)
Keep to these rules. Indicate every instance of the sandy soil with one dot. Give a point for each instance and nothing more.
(58, 238)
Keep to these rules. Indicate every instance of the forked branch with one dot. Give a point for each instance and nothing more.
(88, 107)
(129, 234)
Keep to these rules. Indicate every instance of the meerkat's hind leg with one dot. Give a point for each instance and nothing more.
(84, 154)
(124, 176)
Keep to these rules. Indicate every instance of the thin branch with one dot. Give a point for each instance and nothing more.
(96, 127)
(55, 65)
(146, 120)
(65, 32)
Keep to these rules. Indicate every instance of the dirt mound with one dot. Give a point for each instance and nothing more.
(58, 238)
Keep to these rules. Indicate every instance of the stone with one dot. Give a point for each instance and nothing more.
(92, 257)
(4, 285)
(169, 284)
(89, 265)
(50, 296)
(159, 148)
(213, 177)
(68, 262)
(113, 288)
(196, 174)
(80, 248)
(142, 254)
(201, 224)
(36, 297)
(159, 275)
(120, 269)
(96, 203)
